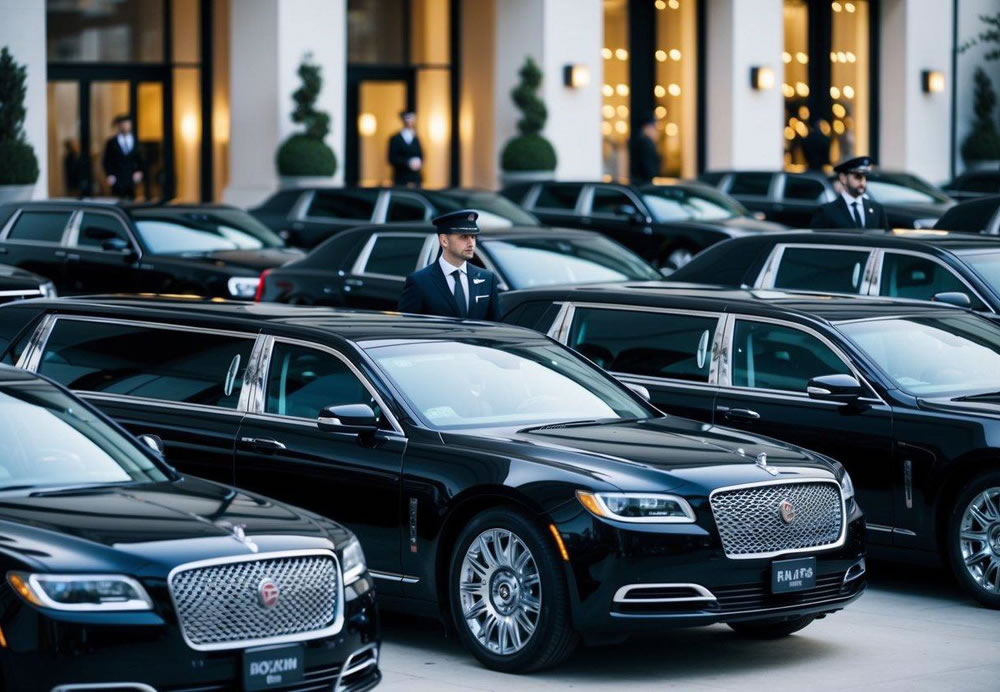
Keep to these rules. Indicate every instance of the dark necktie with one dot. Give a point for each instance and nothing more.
(857, 214)
(461, 303)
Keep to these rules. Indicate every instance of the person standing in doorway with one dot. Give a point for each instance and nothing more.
(122, 161)
(405, 154)
(451, 287)
(644, 158)
(852, 208)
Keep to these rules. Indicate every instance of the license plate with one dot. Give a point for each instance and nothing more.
(793, 575)
(272, 666)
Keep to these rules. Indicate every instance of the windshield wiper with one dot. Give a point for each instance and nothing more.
(981, 395)
(572, 424)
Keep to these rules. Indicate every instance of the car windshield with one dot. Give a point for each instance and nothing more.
(172, 231)
(951, 355)
(527, 262)
(681, 203)
(987, 264)
(494, 211)
(475, 384)
(49, 439)
(904, 188)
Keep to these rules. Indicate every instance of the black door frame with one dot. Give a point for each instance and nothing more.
(356, 75)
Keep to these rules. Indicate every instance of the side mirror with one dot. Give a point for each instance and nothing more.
(348, 418)
(638, 389)
(841, 389)
(116, 244)
(153, 442)
(956, 298)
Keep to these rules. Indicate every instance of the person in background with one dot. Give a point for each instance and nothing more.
(405, 153)
(852, 208)
(816, 146)
(122, 161)
(644, 158)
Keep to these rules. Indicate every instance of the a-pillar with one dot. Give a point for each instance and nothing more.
(269, 39)
(556, 33)
(22, 31)
(743, 128)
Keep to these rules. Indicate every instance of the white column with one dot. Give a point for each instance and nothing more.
(22, 30)
(969, 26)
(914, 127)
(744, 127)
(269, 39)
(555, 33)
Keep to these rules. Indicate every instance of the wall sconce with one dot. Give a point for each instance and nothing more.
(932, 81)
(367, 124)
(761, 78)
(576, 76)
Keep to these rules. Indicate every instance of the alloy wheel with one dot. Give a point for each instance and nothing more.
(500, 591)
(979, 539)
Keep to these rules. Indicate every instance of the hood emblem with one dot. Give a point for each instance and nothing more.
(238, 532)
(267, 593)
(762, 463)
(787, 511)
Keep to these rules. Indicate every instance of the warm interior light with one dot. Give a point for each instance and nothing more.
(659, 91)
(801, 88)
(834, 92)
(622, 89)
(606, 53)
(606, 128)
(661, 4)
(189, 127)
(788, 90)
(761, 78)
(849, 6)
(608, 111)
(848, 91)
(608, 90)
(622, 111)
(786, 57)
(672, 129)
(933, 81)
(576, 76)
(661, 55)
(674, 4)
(836, 6)
(438, 128)
(661, 111)
(621, 127)
(801, 129)
(675, 55)
(789, 133)
(838, 127)
(802, 58)
(675, 89)
(621, 54)
(804, 112)
(824, 127)
(367, 124)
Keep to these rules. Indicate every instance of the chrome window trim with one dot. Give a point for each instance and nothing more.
(251, 373)
(789, 481)
(390, 194)
(536, 192)
(72, 238)
(327, 219)
(394, 577)
(769, 272)
(160, 403)
(727, 384)
(529, 199)
(876, 284)
(301, 205)
(588, 210)
(334, 628)
(25, 293)
(32, 353)
(559, 329)
(266, 366)
(358, 268)
(9, 226)
(99, 686)
(429, 252)
(705, 594)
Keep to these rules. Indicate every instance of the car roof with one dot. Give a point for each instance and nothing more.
(11, 375)
(897, 238)
(811, 307)
(126, 207)
(533, 232)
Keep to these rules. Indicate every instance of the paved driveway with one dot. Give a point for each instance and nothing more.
(912, 630)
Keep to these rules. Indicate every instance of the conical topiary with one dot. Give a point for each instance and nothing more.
(529, 151)
(305, 153)
(18, 163)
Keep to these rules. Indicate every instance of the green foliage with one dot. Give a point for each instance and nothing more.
(306, 153)
(18, 164)
(991, 35)
(529, 151)
(983, 143)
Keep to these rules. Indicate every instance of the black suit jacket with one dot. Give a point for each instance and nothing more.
(835, 214)
(400, 154)
(426, 292)
(122, 166)
(644, 159)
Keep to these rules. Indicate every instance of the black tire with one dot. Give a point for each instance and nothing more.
(770, 629)
(953, 547)
(553, 637)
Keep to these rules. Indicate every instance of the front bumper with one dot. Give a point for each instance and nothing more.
(653, 577)
(143, 651)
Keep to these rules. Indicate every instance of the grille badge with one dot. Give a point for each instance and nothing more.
(787, 511)
(267, 593)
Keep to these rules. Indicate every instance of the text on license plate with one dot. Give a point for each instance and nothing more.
(793, 575)
(273, 665)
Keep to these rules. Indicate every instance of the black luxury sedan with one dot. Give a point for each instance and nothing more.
(974, 183)
(903, 393)
(119, 573)
(366, 267)
(980, 215)
(305, 217)
(208, 250)
(664, 224)
(495, 478)
(792, 198)
(922, 265)
(18, 284)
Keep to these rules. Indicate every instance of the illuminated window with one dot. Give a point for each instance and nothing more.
(795, 87)
(849, 40)
(615, 91)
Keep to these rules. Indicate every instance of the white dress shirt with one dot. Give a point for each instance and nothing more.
(407, 134)
(856, 210)
(126, 143)
(447, 267)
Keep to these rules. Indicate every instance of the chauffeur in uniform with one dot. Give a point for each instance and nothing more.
(451, 287)
(405, 154)
(852, 208)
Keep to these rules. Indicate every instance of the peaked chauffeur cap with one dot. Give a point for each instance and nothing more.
(858, 164)
(462, 222)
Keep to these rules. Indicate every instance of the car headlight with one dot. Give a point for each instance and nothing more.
(90, 592)
(243, 286)
(352, 561)
(651, 508)
(925, 223)
(48, 290)
(847, 486)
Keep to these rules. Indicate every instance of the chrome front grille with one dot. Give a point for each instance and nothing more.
(751, 524)
(220, 604)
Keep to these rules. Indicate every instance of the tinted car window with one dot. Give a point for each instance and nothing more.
(903, 188)
(561, 197)
(494, 211)
(394, 255)
(645, 343)
(713, 178)
(677, 203)
(303, 381)
(771, 356)
(801, 188)
(173, 231)
(40, 226)
(752, 184)
(973, 216)
(910, 276)
(97, 228)
(535, 314)
(821, 269)
(987, 183)
(405, 209)
(192, 367)
(359, 204)
(608, 200)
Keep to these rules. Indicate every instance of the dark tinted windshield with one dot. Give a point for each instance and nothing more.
(527, 262)
(494, 211)
(969, 217)
(48, 439)
(987, 264)
(168, 231)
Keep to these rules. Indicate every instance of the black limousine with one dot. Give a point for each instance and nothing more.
(904, 393)
(116, 572)
(493, 476)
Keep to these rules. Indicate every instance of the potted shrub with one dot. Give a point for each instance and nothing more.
(528, 156)
(304, 158)
(18, 164)
(981, 148)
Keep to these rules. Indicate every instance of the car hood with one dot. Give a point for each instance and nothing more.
(12, 278)
(150, 528)
(985, 406)
(251, 260)
(656, 454)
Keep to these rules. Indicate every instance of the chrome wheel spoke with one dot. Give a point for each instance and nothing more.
(530, 581)
(484, 550)
(530, 604)
(978, 557)
(977, 536)
(978, 515)
(477, 609)
(992, 505)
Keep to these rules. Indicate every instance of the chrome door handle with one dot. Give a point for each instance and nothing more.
(737, 413)
(262, 444)
(354, 282)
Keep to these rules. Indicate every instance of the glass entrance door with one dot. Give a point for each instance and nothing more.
(375, 98)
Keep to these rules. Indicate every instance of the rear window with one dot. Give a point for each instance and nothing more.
(562, 197)
(751, 184)
(821, 269)
(535, 314)
(805, 189)
(394, 255)
(40, 226)
(357, 205)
